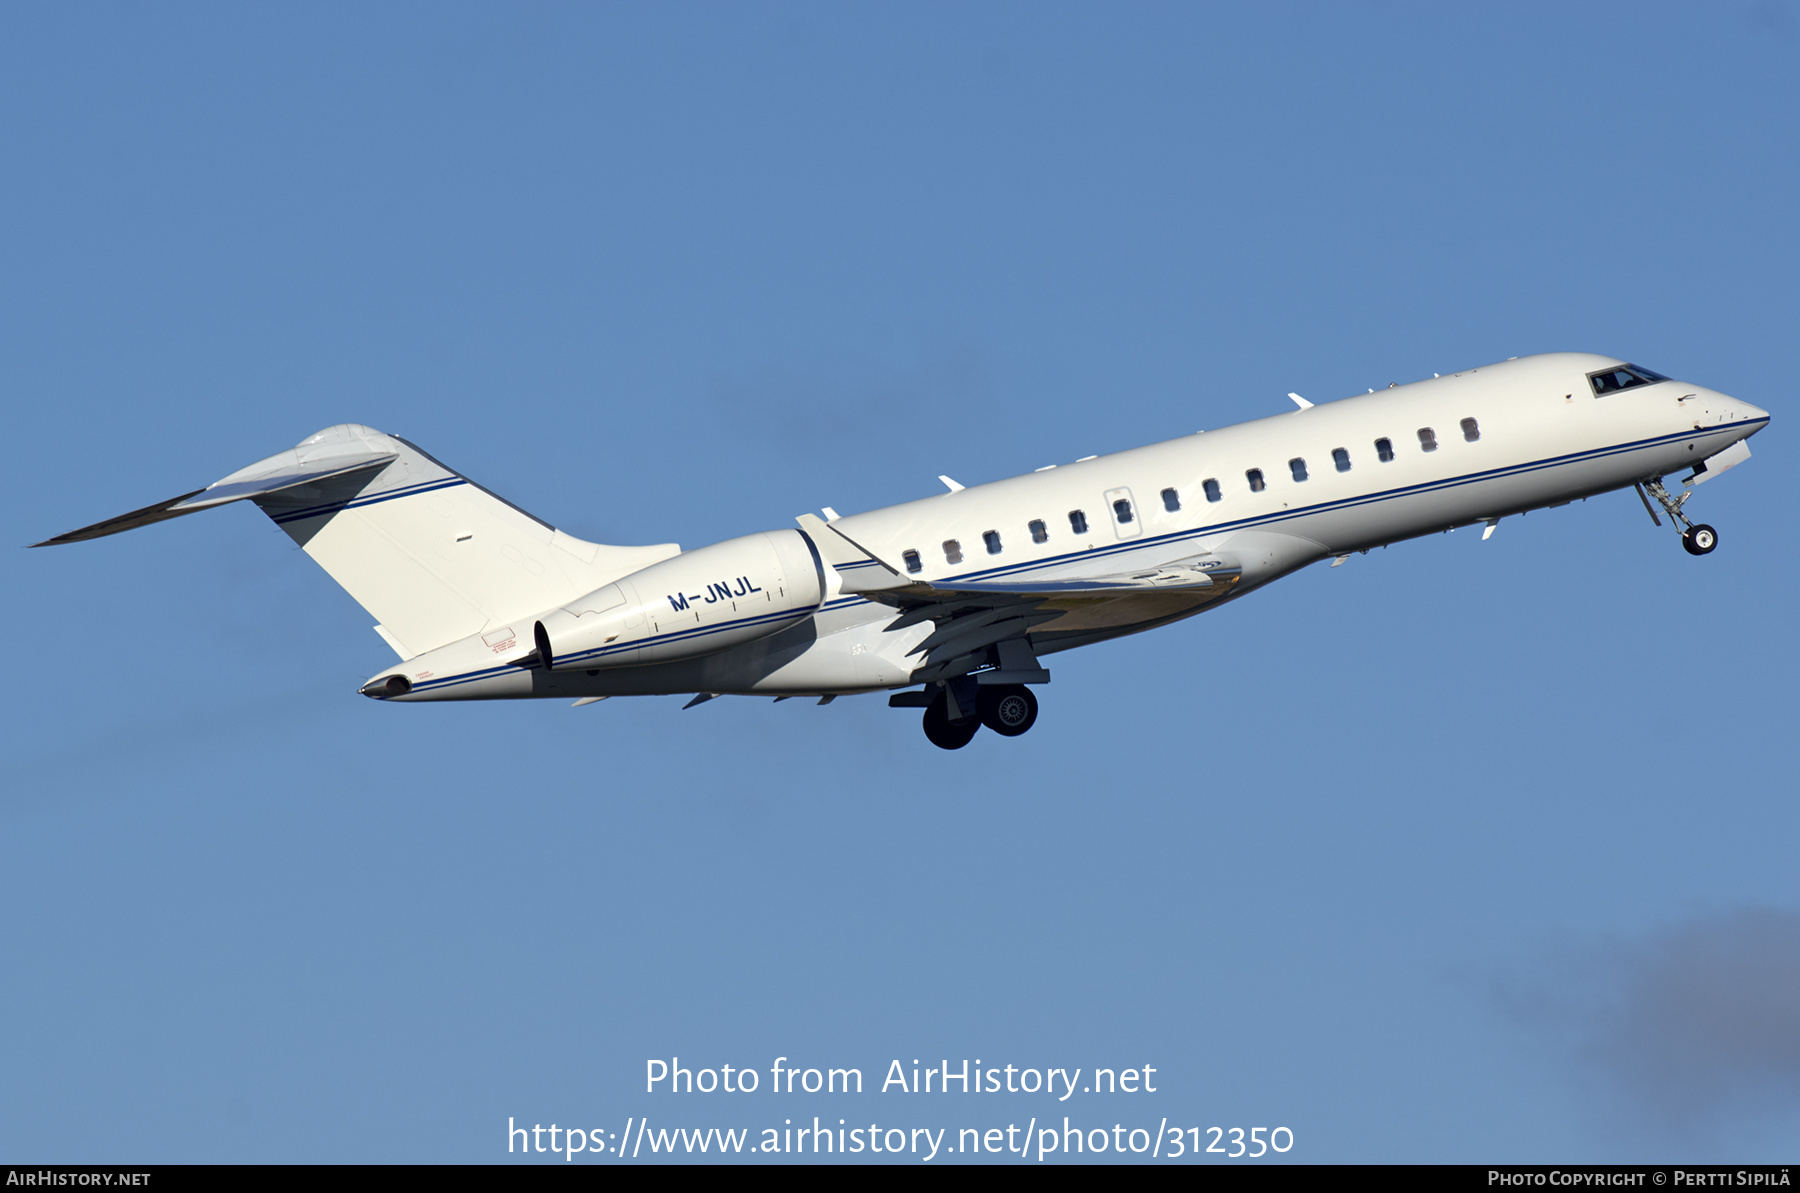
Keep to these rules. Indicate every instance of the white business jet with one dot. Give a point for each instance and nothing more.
(964, 592)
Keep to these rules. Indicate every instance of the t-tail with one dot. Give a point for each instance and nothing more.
(432, 555)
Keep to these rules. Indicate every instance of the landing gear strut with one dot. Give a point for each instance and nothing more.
(1696, 538)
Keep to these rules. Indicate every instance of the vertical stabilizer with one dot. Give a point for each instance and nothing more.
(432, 555)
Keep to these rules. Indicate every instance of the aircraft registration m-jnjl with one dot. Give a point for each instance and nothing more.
(962, 594)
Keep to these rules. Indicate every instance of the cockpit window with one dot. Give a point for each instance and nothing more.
(1611, 381)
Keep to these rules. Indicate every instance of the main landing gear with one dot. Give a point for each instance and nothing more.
(1697, 538)
(1007, 709)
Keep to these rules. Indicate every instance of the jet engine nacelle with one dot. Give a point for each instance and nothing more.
(694, 604)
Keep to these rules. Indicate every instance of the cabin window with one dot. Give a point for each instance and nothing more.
(1297, 466)
(952, 551)
(1213, 492)
(992, 539)
(1471, 430)
(1171, 500)
(1427, 439)
(1039, 532)
(913, 563)
(1078, 521)
(1384, 450)
(1611, 381)
(1122, 511)
(1254, 476)
(1341, 458)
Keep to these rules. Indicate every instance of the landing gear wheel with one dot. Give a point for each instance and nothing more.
(1700, 540)
(944, 733)
(1008, 709)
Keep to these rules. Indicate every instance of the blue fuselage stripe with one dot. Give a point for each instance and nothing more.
(319, 511)
(599, 652)
(1349, 502)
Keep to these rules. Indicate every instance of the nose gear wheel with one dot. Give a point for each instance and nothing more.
(1700, 540)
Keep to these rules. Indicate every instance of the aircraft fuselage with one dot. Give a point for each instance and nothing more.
(963, 592)
(1276, 494)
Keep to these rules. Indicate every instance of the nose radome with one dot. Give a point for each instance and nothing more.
(1724, 408)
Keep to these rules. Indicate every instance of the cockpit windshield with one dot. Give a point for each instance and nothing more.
(1611, 381)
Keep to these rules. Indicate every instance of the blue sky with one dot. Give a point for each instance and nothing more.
(1419, 857)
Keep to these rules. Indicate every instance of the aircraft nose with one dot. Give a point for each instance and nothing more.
(1726, 409)
(1741, 413)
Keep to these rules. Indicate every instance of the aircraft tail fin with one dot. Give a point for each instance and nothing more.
(431, 555)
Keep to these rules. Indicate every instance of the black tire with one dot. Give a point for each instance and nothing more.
(1700, 540)
(1008, 709)
(944, 733)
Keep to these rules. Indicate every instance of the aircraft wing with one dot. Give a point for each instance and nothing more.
(1004, 622)
(1174, 566)
(1017, 618)
(1197, 573)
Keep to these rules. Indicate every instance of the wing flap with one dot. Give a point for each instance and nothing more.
(1096, 586)
(974, 617)
(960, 637)
(1198, 574)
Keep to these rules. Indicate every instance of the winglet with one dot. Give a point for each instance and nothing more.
(1301, 402)
(951, 485)
(858, 568)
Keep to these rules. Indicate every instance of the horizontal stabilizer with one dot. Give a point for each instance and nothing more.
(151, 513)
(285, 471)
(284, 478)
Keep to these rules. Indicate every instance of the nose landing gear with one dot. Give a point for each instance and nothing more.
(1696, 538)
(1700, 539)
